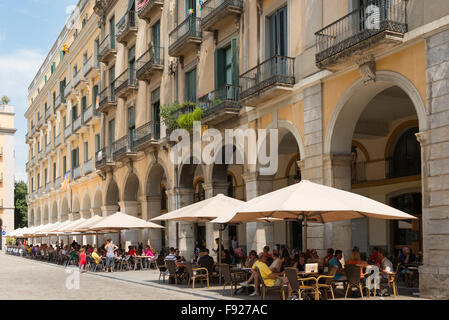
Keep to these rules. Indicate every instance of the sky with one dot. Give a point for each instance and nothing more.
(28, 30)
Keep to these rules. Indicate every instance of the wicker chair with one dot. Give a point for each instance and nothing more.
(232, 279)
(196, 273)
(163, 271)
(327, 284)
(298, 285)
(171, 266)
(265, 288)
(353, 276)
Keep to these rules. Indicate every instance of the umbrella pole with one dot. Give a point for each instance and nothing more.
(305, 234)
(96, 239)
(219, 251)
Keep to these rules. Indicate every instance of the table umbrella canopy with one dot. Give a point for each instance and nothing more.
(44, 231)
(316, 202)
(60, 229)
(203, 211)
(31, 232)
(123, 221)
(71, 227)
(13, 233)
(83, 227)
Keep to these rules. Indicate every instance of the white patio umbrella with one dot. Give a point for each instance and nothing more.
(314, 202)
(122, 221)
(84, 227)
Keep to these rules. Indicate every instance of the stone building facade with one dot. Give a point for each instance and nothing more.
(357, 90)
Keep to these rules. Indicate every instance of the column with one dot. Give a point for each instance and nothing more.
(153, 210)
(337, 174)
(170, 227)
(186, 229)
(212, 229)
(258, 234)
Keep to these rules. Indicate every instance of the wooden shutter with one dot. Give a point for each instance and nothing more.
(235, 61)
(220, 65)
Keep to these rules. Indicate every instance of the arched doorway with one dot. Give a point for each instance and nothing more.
(372, 133)
(132, 206)
(64, 210)
(111, 204)
(54, 212)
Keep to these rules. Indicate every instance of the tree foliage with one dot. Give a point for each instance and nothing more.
(5, 100)
(21, 208)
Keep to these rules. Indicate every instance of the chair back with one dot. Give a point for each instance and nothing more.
(209, 265)
(261, 281)
(353, 273)
(226, 272)
(189, 268)
(292, 278)
(171, 266)
(331, 272)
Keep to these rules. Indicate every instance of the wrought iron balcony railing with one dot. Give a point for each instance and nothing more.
(47, 148)
(60, 100)
(78, 78)
(48, 113)
(126, 80)
(126, 26)
(226, 97)
(103, 157)
(189, 28)
(147, 7)
(57, 183)
(144, 135)
(150, 61)
(213, 11)
(40, 121)
(123, 146)
(76, 124)
(277, 70)
(89, 113)
(88, 166)
(107, 97)
(57, 141)
(91, 64)
(376, 17)
(76, 172)
(107, 47)
(67, 90)
(67, 131)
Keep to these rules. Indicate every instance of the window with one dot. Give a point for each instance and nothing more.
(83, 104)
(156, 112)
(190, 86)
(53, 67)
(95, 95)
(86, 151)
(75, 158)
(278, 33)
(97, 143)
(64, 165)
(75, 70)
(191, 4)
(64, 122)
(132, 64)
(54, 171)
(226, 69)
(111, 132)
(111, 80)
(112, 32)
(156, 41)
(32, 184)
(406, 155)
(74, 112)
(45, 176)
(38, 180)
(131, 125)
(85, 58)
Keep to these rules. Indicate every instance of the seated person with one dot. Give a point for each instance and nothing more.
(374, 258)
(96, 256)
(266, 252)
(226, 257)
(276, 265)
(356, 260)
(131, 251)
(266, 273)
(386, 267)
(335, 261)
(300, 261)
(252, 257)
(178, 256)
(314, 258)
(171, 255)
(406, 256)
(328, 257)
(205, 260)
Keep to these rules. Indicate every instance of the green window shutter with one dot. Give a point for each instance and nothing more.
(86, 151)
(97, 142)
(131, 117)
(220, 65)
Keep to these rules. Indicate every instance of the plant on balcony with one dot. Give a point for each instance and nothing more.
(168, 116)
(185, 121)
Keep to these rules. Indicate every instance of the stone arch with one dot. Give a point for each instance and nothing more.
(156, 173)
(132, 189)
(32, 217)
(352, 103)
(64, 212)
(38, 217)
(54, 212)
(396, 134)
(86, 204)
(187, 172)
(76, 207)
(46, 216)
(112, 194)
(97, 201)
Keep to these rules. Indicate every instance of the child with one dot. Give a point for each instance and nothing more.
(83, 260)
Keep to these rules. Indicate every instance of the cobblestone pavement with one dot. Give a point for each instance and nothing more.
(23, 278)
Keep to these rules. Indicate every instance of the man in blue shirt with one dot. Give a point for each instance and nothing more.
(335, 261)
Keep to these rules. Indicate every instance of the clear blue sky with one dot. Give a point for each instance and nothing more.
(28, 29)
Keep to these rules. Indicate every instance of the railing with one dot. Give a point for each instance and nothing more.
(103, 156)
(126, 22)
(122, 146)
(47, 186)
(33, 130)
(125, 79)
(77, 78)
(108, 94)
(224, 97)
(48, 148)
(57, 141)
(88, 166)
(67, 131)
(190, 27)
(76, 172)
(76, 124)
(361, 24)
(40, 121)
(92, 63)
(154, 55)
(59, 100)
(57, 183)
(358, 172)
(211, 7)
(88, 113)
(146, 4)
(405, 168)
(67, 90)
(188, 108)
(144, 133)
(275, 70)
(47, 113)
(40, 155)
(40, 191)
(106, 45)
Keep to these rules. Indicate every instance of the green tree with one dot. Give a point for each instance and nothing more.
(5, 100)
(21, 208)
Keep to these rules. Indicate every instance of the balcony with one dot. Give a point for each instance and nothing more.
(148, 8)
(59, 102)
(47, 148)
(28, 138)
(40, 121)
(107, 49)
(185, 37)
(272, 78)
(123, 148)
(220, 105)
(40, 155)
(187, 108)
(126, 83)
(57, 183)
(127, 27)
(67, 131)
(88, 167)
(48, 113)
(76, 173)
(92, 67)
(103, 159)
(57, 141)
(79, 81)
(216, 14)
(145, 136)
(76, 124)
(108, 99)
(67, 90)
(149, 63)
(376, 28)
(89, 113)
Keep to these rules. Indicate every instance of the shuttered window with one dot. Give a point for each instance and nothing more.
(190, 86)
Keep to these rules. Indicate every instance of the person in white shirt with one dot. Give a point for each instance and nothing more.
(387, 267)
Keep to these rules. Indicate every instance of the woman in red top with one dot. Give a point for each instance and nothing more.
(83, 260)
